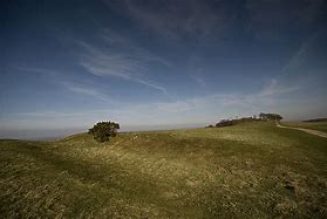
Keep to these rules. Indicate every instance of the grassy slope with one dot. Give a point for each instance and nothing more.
(251, 170)
(320, 126)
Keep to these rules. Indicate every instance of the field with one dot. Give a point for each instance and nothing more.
(319, 126)
(250, 170)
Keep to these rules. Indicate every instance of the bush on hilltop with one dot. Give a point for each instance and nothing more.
(103, 131)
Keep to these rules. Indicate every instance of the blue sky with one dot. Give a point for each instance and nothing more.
(68, 64)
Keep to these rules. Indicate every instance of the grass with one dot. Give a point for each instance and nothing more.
(319, 126)
(251, 170)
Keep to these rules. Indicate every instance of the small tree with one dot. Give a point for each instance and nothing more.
(102, 131)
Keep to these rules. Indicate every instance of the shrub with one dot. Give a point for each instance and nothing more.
(103, 131)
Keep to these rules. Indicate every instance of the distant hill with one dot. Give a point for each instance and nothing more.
(316, 120)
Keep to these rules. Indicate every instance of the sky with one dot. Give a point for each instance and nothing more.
(156, 64)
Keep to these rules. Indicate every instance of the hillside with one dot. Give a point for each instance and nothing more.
(250, 170)
(316, 120)
(318, 125)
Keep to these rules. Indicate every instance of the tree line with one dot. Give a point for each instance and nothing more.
(261, 117)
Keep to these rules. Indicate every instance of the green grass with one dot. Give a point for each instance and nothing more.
(251, 170)
(319, 126)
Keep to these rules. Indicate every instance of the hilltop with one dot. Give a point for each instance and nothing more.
(249, 170)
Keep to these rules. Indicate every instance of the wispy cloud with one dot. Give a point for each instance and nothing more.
(273, 88)
(185, 17)
(197, 76)
(200, 81)
(128, 62)
(118, 41)
(300, 55)
(151, 84)
(265, 97)
(74, 87)
(86, 91)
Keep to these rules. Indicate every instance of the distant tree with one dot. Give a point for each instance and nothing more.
(270, 116)
(103, 131)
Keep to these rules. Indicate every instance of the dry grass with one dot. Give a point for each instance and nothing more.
(252, 170)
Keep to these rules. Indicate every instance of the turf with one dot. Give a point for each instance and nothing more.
(250, 170)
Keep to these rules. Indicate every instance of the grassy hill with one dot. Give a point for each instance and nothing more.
(251, 170)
